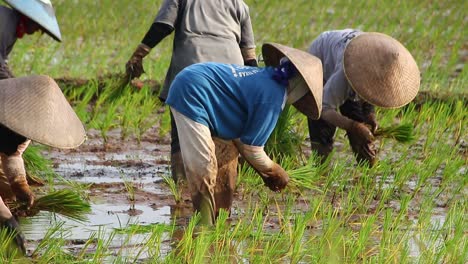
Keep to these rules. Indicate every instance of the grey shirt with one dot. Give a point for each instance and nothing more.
(329, 47)
(205, 31)
(8, 22)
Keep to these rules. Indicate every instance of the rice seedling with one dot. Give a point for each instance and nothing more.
(9, 252)
(175, 190)
(130, 188)
(64, 202)
(285, 142)
(38, 168)
(401, 133)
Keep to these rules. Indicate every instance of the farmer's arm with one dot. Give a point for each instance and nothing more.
(335, 92)
(162, 26)
(257, 129)
(273, 175)
(13, 167)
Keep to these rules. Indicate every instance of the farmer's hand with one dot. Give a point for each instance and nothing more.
(361, 139)
(12, 226)
(134, 66)
(276, 178)
(372, 122)
(23, 192)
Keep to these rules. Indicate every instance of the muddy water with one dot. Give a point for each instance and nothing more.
(108, 166)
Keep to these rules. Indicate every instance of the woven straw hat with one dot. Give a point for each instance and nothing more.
(308, 66)
(35, 107)
(381, 70)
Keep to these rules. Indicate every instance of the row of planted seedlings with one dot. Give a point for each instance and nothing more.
(408, 208)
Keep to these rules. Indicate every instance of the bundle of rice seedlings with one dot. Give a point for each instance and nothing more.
(401, 133)
(63, 202)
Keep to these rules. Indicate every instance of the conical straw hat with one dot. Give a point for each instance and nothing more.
(308, 66)
(35, 107)
(41, 12)
(381, 70)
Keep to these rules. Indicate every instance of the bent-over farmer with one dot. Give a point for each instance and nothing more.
(243, 104)
(205, 31)
(25, 17)
(31, 108)
(360, 70)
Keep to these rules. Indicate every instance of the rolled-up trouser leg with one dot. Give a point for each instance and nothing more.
(198, 153)
(177, 163)
(227, 156)
(321, 137)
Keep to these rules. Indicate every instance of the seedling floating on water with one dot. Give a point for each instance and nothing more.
(402, 133)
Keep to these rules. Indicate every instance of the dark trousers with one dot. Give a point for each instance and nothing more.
(175, 145)
(321, 132)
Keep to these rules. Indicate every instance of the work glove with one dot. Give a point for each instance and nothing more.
(23, 192)
(372, 122)
(13, 227)
(361, 139)
(276, 178)
(134, 66)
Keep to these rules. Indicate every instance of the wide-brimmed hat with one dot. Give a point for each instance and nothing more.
(381, 70)
(35, 107)
(308, 66)
(41, 12)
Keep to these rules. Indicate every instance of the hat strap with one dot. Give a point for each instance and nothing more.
(285, 71)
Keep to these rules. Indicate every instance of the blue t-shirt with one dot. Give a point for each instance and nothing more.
(233, 101)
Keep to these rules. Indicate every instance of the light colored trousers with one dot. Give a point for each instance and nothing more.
(198, 152)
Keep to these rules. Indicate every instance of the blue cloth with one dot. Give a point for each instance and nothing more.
(233, 101)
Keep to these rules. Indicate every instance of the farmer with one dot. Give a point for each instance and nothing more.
(26, 17)
(360, 70)
(243, 104)
(217, 31)
(33, 108)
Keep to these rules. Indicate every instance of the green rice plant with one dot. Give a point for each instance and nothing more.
(176, 191)
(38, 168)
(164, 123)
(130, 188)
(50, 248)
(304, 177)
(106, 121)
(63, 202)
(9, 252)
(284, 141)
(401, 133)
(147, 116)
(117, 86)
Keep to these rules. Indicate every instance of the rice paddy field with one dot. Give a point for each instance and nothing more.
(409, 208)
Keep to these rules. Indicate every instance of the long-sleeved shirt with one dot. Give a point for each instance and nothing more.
(205, 31)
(329, 47)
